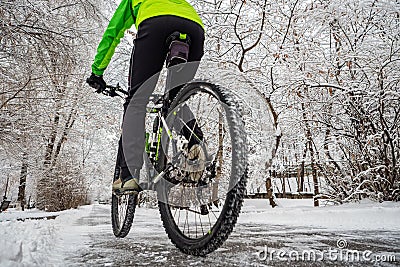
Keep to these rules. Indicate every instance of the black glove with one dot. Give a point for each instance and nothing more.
(97, 82)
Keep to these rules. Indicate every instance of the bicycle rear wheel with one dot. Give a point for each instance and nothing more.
(201, 198)
(122, 210)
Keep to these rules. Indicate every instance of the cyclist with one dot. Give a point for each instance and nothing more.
(155, 21)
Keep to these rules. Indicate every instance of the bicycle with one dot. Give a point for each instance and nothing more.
(197, 165)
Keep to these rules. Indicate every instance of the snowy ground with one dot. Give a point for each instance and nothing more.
(294, 231)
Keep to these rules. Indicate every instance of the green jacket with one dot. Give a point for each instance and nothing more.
(131, 12)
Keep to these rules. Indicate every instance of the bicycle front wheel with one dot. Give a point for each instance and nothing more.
(201, 197)
(122, 210)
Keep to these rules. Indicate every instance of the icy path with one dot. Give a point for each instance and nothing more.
(364, 228)
(84, 238)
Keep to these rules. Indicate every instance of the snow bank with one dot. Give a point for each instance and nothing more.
(39, 242)
(13, 214)
(26, 243)
(356, 216)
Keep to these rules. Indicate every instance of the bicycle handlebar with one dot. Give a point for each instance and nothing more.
(113, 91)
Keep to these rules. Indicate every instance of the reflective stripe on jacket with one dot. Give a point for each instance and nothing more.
(131, 12)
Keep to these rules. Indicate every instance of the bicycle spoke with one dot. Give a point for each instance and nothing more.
(201, 224)
(209, 221)
(214, 215)
(186, 220)
(195, 223)
(179, 215)
(191, 199)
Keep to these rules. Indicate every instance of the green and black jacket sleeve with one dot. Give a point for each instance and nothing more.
(121, 21)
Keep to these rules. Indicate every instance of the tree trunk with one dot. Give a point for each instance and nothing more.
(268, 185)
(302, 171)
(22, 180)
(283, 185)
(68, 125)
(312, 156)
(314, 174)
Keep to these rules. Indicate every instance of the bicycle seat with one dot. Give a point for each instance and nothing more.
(178, 49)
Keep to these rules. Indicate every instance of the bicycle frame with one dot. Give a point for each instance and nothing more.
(153, 142)
(153, 145)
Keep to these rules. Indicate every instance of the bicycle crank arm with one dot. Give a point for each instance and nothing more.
(161, 174)
(158, 177)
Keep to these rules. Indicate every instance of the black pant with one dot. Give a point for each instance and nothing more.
(147, 60)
